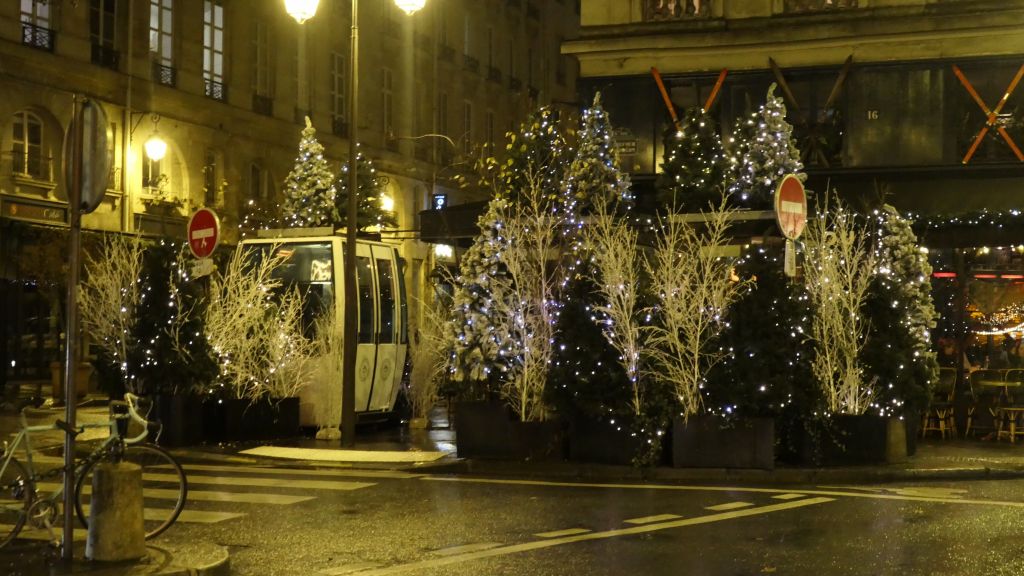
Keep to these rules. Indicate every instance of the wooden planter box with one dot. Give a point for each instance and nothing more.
(182, 420)
(602, 443)
(486, 430)
(234, 420)
(854, 440)
(703, 442)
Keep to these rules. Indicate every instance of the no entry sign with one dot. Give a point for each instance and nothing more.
(791, 207)
(203, 232)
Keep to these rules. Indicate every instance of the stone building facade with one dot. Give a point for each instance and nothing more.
(227, 84)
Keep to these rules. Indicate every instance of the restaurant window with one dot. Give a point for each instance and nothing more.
(153, 178)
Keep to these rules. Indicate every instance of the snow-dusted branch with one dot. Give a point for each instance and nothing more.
(428, 355)
(694, 286)
(838, 271)
(615, 256)
(109, 297)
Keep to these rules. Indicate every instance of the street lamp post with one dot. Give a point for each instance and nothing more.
(303, 10)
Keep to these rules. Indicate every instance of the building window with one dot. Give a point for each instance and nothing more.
(153, 179)
(161, 40)
(36, 28)
(213, 49)
(27, 147)
(258, 183)
(467, 35)
(490, 46)
(339, 90)
(210, 178)
(387, 105)
(560, 65)
(102, 32)
(261, 82)
(467, 124)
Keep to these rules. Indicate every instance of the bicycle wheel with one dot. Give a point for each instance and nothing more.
(164, 487)
(16, 495)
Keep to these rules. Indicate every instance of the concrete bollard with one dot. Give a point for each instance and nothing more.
(116, 531)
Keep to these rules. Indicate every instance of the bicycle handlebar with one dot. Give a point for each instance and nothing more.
(131, 402)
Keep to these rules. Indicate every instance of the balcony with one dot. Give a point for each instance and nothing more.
(446, 53)
(215, 90)
(339, 127)
(164, 74)
(263, 105)
(470, 63)
(105, 56)
(677, 9)
(515, 83)
(493, 74)
(37, 36)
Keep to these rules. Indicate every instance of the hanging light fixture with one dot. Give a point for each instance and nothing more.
(301, 10)
(156, 147)
(410, 6)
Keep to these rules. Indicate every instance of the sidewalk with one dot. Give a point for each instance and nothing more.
(162, 559)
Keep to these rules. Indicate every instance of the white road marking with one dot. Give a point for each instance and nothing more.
(612, 486)
(208, 495)
(540, 544)
(340, 473)
(334, 455)
(263, 482)
(465, 548)
(26, 533)
(652, 519)
(190, 516)
(729, 506)
(566, 532)
(788, 496)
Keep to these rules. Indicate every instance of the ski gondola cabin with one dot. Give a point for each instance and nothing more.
(314, 263)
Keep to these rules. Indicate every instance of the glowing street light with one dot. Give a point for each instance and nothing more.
(410, 6)
(156, 148)
(301, 10)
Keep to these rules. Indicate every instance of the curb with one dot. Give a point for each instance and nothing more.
(779, 476)
(218, 564)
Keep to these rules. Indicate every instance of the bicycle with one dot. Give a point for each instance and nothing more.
(19, 483)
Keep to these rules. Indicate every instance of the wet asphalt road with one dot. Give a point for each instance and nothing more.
(383, 524)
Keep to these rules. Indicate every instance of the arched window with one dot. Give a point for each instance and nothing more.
(27, 147)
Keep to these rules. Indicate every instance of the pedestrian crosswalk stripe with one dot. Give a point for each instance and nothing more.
(729, 506)
(337, 472)
(651, 519)
(560, 533)
(190, 516)
(350, 569)
(262, 482)
(43, 534)
(788, 496)
(207, 495)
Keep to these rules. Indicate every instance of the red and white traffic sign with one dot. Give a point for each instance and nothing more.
(203, 232)
(791, 207)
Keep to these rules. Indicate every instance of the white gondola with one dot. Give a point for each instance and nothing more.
(314, 264)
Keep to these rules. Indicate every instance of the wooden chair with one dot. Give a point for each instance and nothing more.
(939, 416)
(986, 393)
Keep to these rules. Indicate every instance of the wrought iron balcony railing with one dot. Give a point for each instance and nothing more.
(797, 6)
(514, 83)
(216, 90)
(470, 63)
(494, 74)
(263, 105)
(37, 36)
(164, 74)
(676, 9)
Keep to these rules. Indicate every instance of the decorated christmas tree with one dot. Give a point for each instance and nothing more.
(595, 171)
(482, 346)
(370, 212)
(309, 193)
(761, 154)
(694, 165)
(536, 157)
(901, 315)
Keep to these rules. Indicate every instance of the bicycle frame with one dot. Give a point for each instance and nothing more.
(24, 438)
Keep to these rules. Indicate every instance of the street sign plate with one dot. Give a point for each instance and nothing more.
(791, 207)
(97, 155)
(203, 232)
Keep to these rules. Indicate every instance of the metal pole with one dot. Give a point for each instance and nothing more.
(304, 98)
(71, 328)
(348, 374)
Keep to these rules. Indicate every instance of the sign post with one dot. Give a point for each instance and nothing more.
(203, 236)
(791, 216)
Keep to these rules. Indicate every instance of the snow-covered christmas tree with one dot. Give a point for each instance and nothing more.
(761, 154)
(309, 193)
(594, 172)
(370, 212)
(482, 346)
(901, 315)
(694, 165)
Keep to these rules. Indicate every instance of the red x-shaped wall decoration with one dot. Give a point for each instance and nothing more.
(991, 116)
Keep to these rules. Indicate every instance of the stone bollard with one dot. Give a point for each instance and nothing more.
(116, 532)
